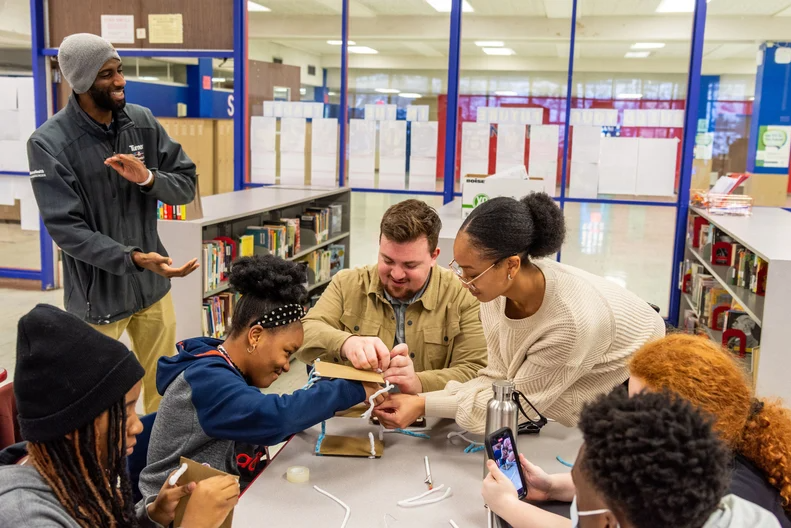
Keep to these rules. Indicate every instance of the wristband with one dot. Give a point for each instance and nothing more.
(148, 180)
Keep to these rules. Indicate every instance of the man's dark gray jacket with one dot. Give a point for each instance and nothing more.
(97, 217)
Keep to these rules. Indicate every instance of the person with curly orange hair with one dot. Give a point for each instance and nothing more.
(758, 430)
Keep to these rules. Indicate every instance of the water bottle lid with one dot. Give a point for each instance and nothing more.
(503, 389)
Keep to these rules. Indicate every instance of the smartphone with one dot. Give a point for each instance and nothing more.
(501, 447)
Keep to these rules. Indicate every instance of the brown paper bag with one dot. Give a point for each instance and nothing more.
(335, 371)
(195, 473)
(195, 207)
(353, 412)
(350, 446)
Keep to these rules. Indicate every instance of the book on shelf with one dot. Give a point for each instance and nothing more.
(700, 286)
(171, 212)
(246, 246)
(318, 263)
(218, 313)
(714, 298)
(317, 219)
(337, 257)
(694, 224)
(736, 319)
(269, 239)
(750, 272)
(218, 255)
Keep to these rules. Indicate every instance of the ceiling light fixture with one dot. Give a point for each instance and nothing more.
(218, 79)
(637, 54)
(629, 96)
(362, 50)
(677, 6)
(407, 95)
(147, 78)
(489, 43)
(252, 7)
(331, 93)
(340, 43)
(505, 93)
(498, 51)
(387, 90)
(648, 45)
(443, 6)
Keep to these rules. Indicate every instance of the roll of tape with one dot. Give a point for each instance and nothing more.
(298, 474)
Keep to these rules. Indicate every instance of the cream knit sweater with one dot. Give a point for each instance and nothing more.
(574, 348)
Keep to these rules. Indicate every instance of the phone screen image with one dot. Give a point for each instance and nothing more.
(502, 449)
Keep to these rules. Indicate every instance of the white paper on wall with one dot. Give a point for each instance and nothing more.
(423, 156)
(422, 113)
(548, 172)
(585, 143)
(362, 147)
(263, 131)
(8, 93)
(678, 119)
(299, 110)
(543, 158)
(25, 94)
(474, 148)
(380, 112)
(392, 155)
(599, 117)
(370, 112)
(584, 182)
(9, 125)
(391, 112)
(292, 134)
(618, 165)
(118, 29)
(277, 108)
(630, 118)
(510, 146)
(288, 109)
(318, 110)
(7, 190)
(654, 118)
(292, 168)
(411, 113)
(324, 152)
(269, 108)
(656, 166)
(30, 219)
(587, 116)
(13, 156)
(612, 118)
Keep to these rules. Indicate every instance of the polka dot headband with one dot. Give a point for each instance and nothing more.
(285, 315)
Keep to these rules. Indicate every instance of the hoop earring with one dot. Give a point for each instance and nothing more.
(509, 277)
(251, 348)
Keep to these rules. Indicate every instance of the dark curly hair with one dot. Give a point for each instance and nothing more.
(532, 227)
(265, 282)
(654, 458)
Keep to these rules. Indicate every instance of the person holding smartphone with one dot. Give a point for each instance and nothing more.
(629, 473)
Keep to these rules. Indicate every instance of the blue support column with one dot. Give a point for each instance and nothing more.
(200, 102)
(709, 90)
(772, 105)
(322, 94)
(343, 117)
(239, 103)
(567, 119)
(38, 43)
(687, 152)
(452, 109)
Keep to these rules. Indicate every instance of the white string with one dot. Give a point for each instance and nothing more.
(453, 524)
(367, 414)
(373, 445)
(381, 432)
(177, 475)
(416, 501)
(336, 499)
(460, 434)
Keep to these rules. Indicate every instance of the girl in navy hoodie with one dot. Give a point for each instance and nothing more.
(212, 410)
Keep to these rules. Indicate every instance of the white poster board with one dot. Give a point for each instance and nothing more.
(510, 146)
(324, 152)
(585, 146)
(292, 148)
(543, 158)
(618, 165)
(474, 148)
(263, 156)
(362, 149)
(423, 156)
(656, 166)
(392, 155)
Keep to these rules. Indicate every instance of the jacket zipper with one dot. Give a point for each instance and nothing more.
(135, 282)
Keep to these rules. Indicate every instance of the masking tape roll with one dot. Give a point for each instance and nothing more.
(298, 474)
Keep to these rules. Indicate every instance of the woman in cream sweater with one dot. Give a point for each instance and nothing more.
(562, 335)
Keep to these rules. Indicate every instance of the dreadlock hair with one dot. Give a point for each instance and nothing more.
(654, 458)
(266, 283)
(702, 372)
(93, 495)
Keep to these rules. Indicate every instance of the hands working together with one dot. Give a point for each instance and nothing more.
(212, 501)
(393, 410)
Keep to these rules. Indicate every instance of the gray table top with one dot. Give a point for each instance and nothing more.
(371, 488)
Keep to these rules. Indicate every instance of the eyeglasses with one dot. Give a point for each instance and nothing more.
(455, 268)
(530, 426)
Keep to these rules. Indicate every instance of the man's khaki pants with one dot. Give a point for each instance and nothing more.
(153, 335)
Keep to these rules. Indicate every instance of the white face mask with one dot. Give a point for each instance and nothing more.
(575, 514)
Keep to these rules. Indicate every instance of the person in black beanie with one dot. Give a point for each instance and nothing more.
(76, 392)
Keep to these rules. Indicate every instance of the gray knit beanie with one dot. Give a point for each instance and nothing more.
(81, 56)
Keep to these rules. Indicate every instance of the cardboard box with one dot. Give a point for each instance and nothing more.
(479, 188)
(701, 174)
(223, 156)
(767, 189)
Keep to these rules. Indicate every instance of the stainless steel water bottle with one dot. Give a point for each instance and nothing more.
(500, 412)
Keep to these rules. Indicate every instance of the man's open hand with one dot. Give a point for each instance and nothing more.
(161, 265)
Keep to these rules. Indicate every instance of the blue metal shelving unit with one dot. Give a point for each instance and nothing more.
(40, 52)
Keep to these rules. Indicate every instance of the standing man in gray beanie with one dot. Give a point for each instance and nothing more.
(98, 168)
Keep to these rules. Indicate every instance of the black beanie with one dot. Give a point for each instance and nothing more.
(67, 373)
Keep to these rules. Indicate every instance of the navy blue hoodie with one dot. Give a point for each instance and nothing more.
(211, 415)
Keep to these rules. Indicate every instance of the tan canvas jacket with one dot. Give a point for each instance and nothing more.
(443, 328)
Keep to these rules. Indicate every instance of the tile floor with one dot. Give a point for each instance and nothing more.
(630, 245)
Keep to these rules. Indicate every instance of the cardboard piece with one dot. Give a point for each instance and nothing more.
(353, 412)
(767, 189)
(195, 473)
(333, 370)
(349, 446)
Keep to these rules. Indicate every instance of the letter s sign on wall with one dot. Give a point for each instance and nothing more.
(230, 106)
